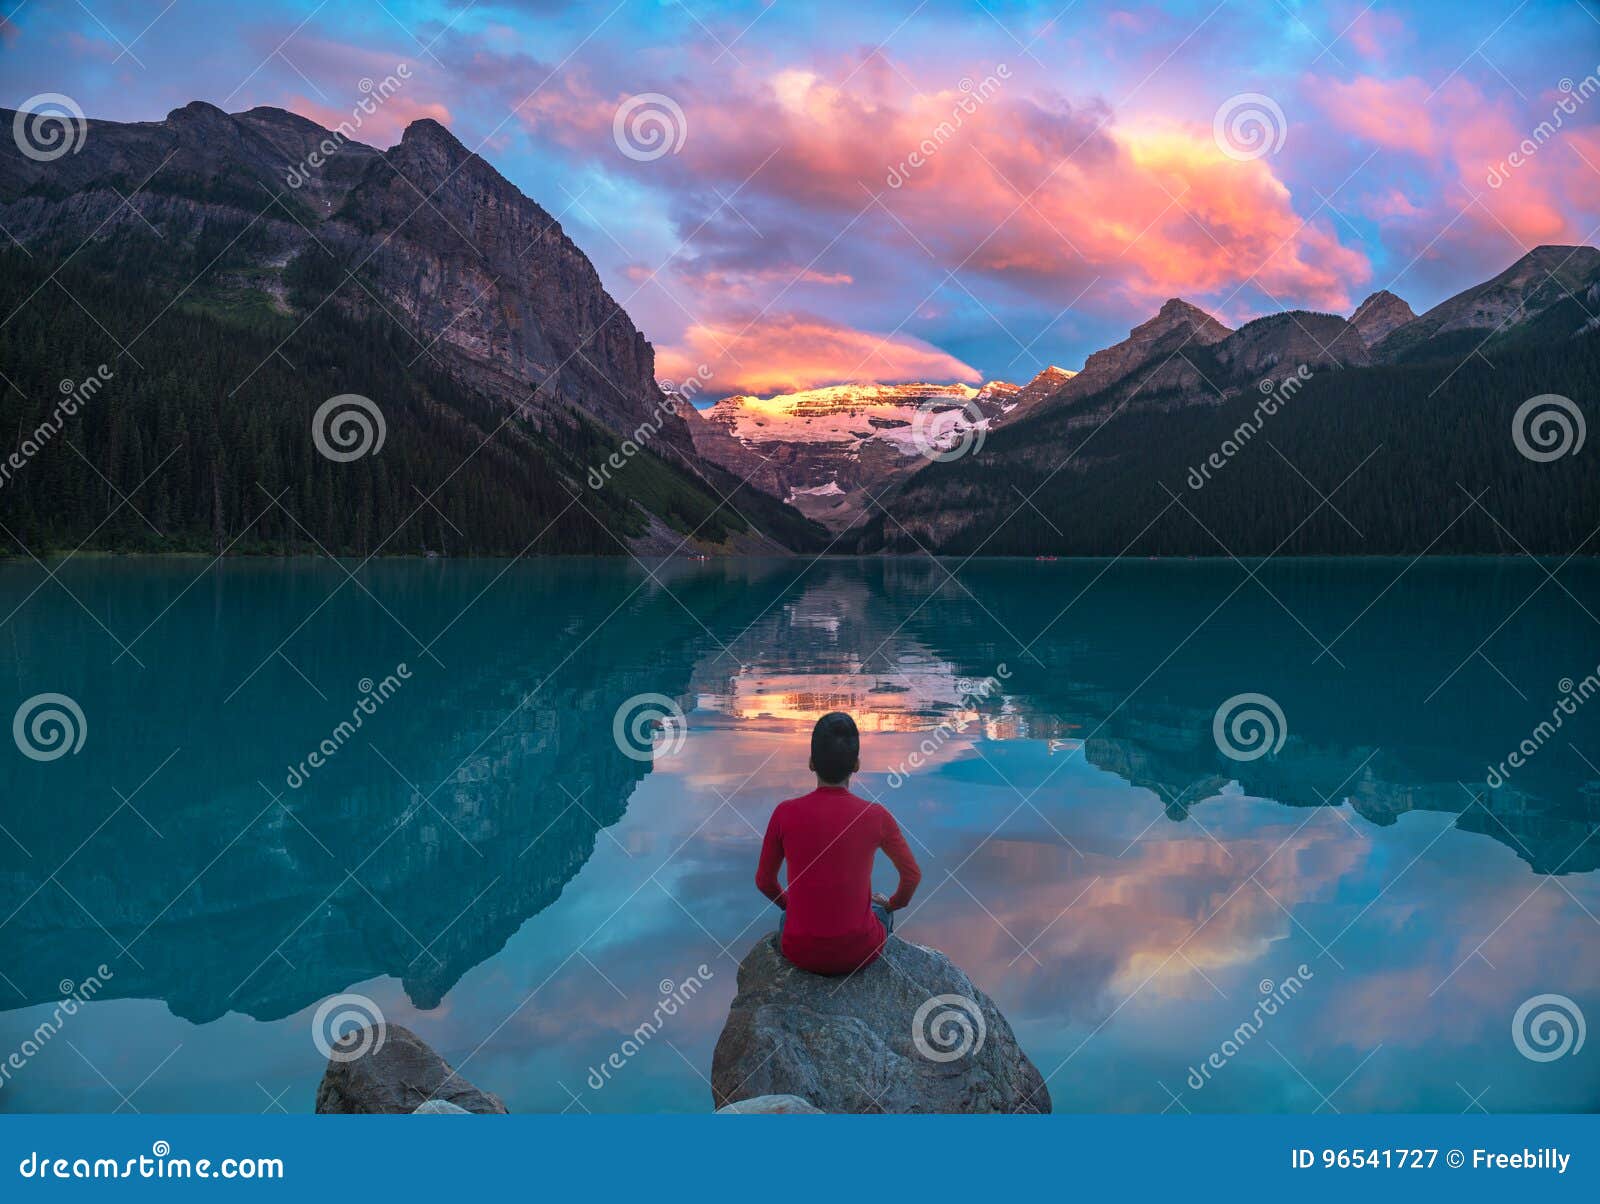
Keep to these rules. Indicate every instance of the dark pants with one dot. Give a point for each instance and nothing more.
(885, 917)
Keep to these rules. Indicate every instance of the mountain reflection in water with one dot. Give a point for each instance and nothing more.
(1117, 884)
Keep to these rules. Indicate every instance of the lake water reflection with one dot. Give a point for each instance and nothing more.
(482, 859)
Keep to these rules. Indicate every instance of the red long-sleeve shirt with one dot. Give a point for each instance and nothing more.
(830, 838)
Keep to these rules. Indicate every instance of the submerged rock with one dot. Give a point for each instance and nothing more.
(770, 1105)
(400, 1072)
(440, 1107)
(909, 1033)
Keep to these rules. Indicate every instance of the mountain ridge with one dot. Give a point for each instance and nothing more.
(1176, 394)
(256, 226)
(426, 239)
(830, 450)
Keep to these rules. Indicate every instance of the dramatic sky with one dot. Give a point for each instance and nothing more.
(1081, 163)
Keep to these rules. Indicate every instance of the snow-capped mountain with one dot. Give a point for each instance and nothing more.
(827, 451)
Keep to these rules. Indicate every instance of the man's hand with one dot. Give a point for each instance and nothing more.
(881, 900)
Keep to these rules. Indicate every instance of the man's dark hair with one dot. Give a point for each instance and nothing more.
(835, 747)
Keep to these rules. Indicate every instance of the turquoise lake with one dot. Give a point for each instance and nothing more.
(484, 860)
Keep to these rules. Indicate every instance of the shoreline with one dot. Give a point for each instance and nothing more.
(53, 555)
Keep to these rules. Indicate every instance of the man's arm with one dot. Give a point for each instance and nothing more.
(894, 844)
(771, 859)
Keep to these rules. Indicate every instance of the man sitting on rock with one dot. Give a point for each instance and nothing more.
(832, 923)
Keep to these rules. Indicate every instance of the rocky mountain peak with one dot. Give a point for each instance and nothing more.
(1541, 286)
(428, 147)
(826, 450)
(1177, 326)
(203, 129)
(1041, 386)
(1379, 314)
(1176, 313)
(200, 111)
(427, 130)
(269, 115)
(1282, 343)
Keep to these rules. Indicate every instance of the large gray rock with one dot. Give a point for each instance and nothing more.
(909, 1033)
(770, 1105)
(399, 1073)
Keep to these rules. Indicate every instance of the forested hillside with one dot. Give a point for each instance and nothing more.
(201, 456)
(1400, 451)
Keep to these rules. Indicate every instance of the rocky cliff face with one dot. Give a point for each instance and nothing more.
(494, 280)
(1183, 356)
(1380, 315)
(1159, 345)
(1550, 293)
(426, 234)
(1273, 346)
(826, 451)
(266, 220)
(1036, 390)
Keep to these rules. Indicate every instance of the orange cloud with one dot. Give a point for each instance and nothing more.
(985, 179)
(782, 353)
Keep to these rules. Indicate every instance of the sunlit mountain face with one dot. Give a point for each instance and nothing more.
(830, 452)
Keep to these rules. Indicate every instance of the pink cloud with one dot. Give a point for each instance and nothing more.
(382, 127)
(780, 353)
(1469, 145)
(1375, 33)
(92, 48)
(1392, 204)
(1122, 21)
(1045, 196)
(740, 283)
(1389, 113)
